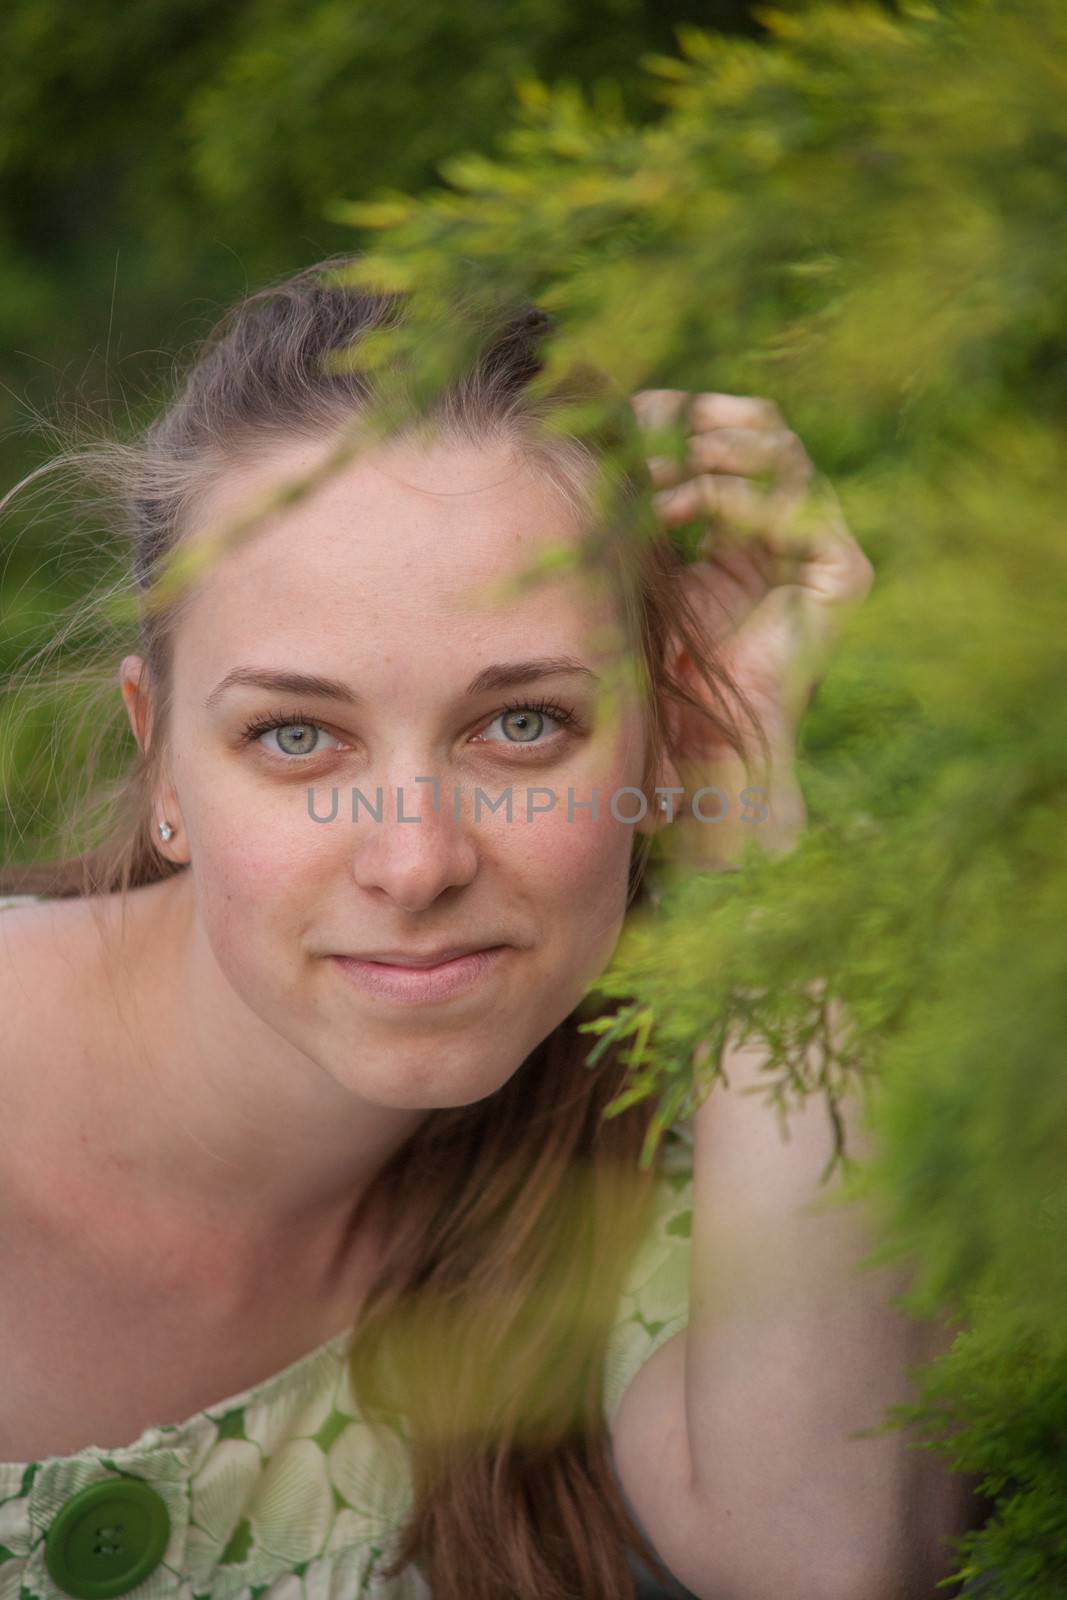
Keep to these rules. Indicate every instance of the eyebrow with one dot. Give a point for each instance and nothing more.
(502, 675)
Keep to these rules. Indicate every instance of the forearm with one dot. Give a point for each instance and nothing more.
(791, 1347)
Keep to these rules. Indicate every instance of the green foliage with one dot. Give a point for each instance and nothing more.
(863, 217)
(197, 146)
(995, 1406)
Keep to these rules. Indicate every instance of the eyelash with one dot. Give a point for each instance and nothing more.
(259, 725)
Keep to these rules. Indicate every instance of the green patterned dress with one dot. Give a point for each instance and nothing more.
(281, 1491)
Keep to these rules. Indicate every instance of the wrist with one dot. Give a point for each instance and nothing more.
(726, 800)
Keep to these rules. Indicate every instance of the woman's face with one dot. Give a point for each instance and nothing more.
(369, 583)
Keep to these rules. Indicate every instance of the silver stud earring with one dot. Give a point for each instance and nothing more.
(663, 802)
(165, 831)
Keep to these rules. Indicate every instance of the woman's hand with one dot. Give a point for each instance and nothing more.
(777, 571)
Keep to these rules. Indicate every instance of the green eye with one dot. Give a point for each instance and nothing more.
(528, 720)
(297, 736)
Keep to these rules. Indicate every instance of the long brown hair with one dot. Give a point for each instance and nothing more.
(485, 1331)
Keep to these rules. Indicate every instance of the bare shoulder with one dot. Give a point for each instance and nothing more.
(47, 964)
(64, 966)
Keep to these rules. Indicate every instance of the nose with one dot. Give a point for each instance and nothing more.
(417, 849)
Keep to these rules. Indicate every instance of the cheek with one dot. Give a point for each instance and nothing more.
(255, 838)
(580, 867)
(242, 909)
(257, 857)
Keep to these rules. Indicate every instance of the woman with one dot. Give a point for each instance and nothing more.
(325, 1274)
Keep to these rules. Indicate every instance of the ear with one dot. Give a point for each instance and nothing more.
(135, 683)
(664, 779)
(136, 692)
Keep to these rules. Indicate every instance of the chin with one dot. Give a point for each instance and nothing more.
(427, 1079)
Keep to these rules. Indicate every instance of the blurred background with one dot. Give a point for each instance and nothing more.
(157, 162)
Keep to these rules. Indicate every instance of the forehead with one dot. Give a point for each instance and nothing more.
(390, 552)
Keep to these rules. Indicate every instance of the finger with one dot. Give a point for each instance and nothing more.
(735, 501)
(749, 450)
(741, 517)
(838, 572)
(822, 556)
(665, 471)
(712, 410)
(659, 408)
(661, 416)
(836, 566)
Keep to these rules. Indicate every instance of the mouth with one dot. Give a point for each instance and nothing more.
(429, 958)
(407, 981)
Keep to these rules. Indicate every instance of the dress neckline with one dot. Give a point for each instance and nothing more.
(187, 1436)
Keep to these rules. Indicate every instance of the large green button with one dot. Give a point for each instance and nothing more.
(107, 1539)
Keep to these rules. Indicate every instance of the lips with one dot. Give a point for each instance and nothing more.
(407, 958)
(445, 980)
